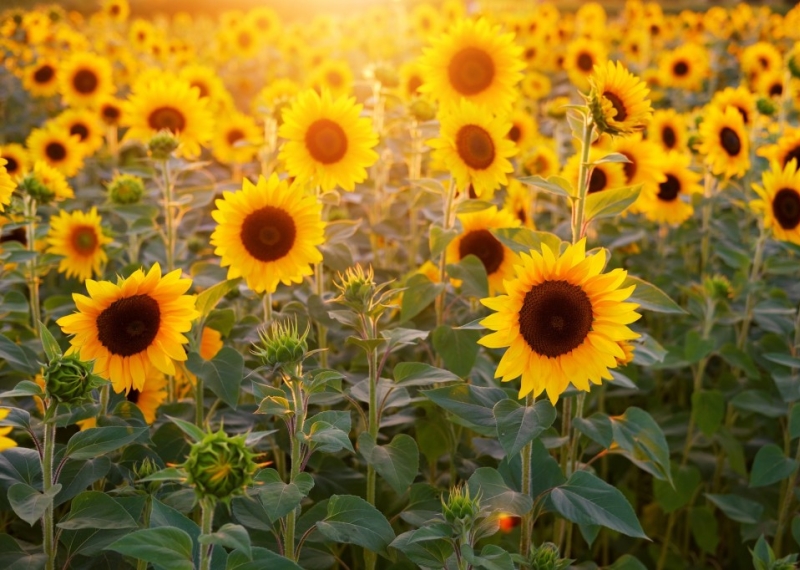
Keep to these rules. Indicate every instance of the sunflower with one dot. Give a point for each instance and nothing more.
(619, 100)
(786, 149)
(411, 78)
(116, 10)
(740, 98)
(56, 147)
(334, 76)
(17, 159)
(278, 92)
(110, 110)
(523, 129)
(670, 201)
(127, 326)
(5, 442)
(759, 58)
(236, 138)
(668, 129)
(78, 236)
(168, 104)
(425, 21)
(770, 83)
(472, 144)
(151, 395)
(562, 320)
(582, 56)
(41, 80)
(268, 233)
(535, 85)
(7, 185)
(476, 239)
(542, 160)
(780, 201)
(685, 67)
(643, 166)
(208, 83)
(84, 124)
(84, 78)
(603, 176)
(328, 143)
(476, 61)
(724, 142)
(519, 202)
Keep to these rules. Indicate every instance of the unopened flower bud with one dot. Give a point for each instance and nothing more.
(67, 380)
(460, 509)
(718, 288)
(162, 145)
(766, 106)
(422, 110)
(357, 288)
(546, 557)
(387, 75)
(220, 466)
(126, 189)
(282, 344)
(34, 188)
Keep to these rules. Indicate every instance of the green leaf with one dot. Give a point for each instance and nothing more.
(738, 359)
(97, 441)
(472, 274)
(627, 562)
(18, 357)
(16, 417)
(429, 546)
(352, 520)
(231, 536)
(77, 475)
(327, 438)
(783, 359)
(279, 498)
(759, 402)
(796, 529)
(24, 388)
(596, 427)
(650, 297)
(695, 348)
(51, 349)
(208, 299)
(737, 508)
(30, 504)
(686, 481)
(586, 499)
(610, 203)
(457, 347)
(496, 494)
(473, 205)
(261, 559)
(168, 474)
(421, 374)
(523, 240)
(794, 422)
(194, 432)
(275, 406)
(93, 509)
(614, 157)
(168, 548)
(770, 466)
(222, 374)
(397, 462)
(763, 556)
(439, 239)
(517, 425)
(472, 405)
(709, 410)
(642, 441)
(703, 525)
(341, 230)
(553, 185)
(419, 293)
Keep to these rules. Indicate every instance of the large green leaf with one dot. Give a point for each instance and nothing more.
(208, 299)
(397, 462)
(260, 559)
(421, 374)
(553, 185)
(472, 274)
(770, 466)
(612, 202)
(737, 508)
(523, 240)
(352, 520)
(419, 293)
(222, 374)
(279, 498)
(30, 504)
(18, 357)
(709, 409)
(686, 482)
(457, 347)
(586, 499)
(642, 441)
(232, 536)
(517, 425)
(97, 441)
(650, 297)
(704, 527)
(429, 546)
(496, 494)
(472, 405)
(93, 509)
(168, 548)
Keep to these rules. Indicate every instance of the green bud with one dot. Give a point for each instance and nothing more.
(766, 106)
(546, 557)
(126, 189)
(794, 64)
(357, 288)
(36, 189)
(162, 145)
(422, 110)
(461, 510)
(718, 288)
(220, 466)
(387, 75)
(68, 380)
(282, 344)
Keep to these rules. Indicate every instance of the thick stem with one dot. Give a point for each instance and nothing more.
(169, 221)
(207, 517)
(526, 529)
(33, 277)
(784, 506)
(48, 541)
(705, 246)
(322, 331)
(199, 402)
(447, 223)
(579, 204)
(105, 394)
(267, 308)
(296, 452)
(370, 558)
(148, 506)
(755, 271)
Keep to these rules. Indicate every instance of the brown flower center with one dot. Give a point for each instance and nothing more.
(11, 164)
(334, 78)
(233, 136)
(680, 68)
(326, 141)
(515, 133)
(793, 154)
(85, 81)
(555, 318)
(55, 151)
(201, 87)
(786, 208)
(669, 189)
(483, 245)
(168, 118)
(471, 71)
(133, 396)
(629, 167)
(669, 137)
(110, 113)
(776, 90)
(598, 180)
(475, 147)
(414, 83)
(129, 325)
(80, 130)
(729, 140)
(84, 240)
(619, 106)
(268, 234)
(585, 62)
(44, 74)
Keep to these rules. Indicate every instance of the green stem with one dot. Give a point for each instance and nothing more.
(48, 541)
(370, 558)
(755, 271)
(105, 394)
(207, 517)
(447, 223)
(199, 402)
(148, 506)
(785, 504)
(526, 529)
(33, 277)
(322, 331)
(169, 221)
(267, 308)
(296, 452)
(705, 246)
(579, 203)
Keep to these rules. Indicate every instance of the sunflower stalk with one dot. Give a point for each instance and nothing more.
(705, 246)
(447, 223)
(414, 173)
(579, 203)
(370, 332)
(785, 500)
(48, 537)
(296, 429)
(29, 205)
(322, 330)
(755, 273)
(169, 222)
(526, 454)
(207, 517)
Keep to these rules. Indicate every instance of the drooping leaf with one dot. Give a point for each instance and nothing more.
(94, 442)
(737, 508)
(517, 425)
(18, 357)
(421, 374)
(30, 504)
(168, 548)
(93, 509)
(229, 535)
(397, 462)
(650, 297)
(770, 466)
(612, 202)
(496, 494)
(457, 347)
(472, 405)
(222, 374)
(279, 498)
(352, 520)
(642, 441)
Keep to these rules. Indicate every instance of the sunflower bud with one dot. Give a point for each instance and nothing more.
(422, 110)
(766, 106)
(357, 289)
(68, 380)
(36, 189)
(220, 466)
(793, 63)
(126, 189)
(718, 288)
(461, 510)
(282, 344)
(162, 145)
(386, 75)
(143, 470)
(547, 557)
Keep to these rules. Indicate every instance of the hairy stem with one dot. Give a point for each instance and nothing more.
(48, 541)
(33, 277)
(526, 530)
(207, 517)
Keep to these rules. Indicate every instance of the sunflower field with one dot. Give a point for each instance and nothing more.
(436, 285)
